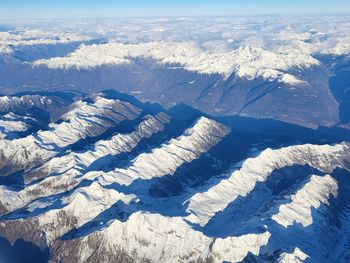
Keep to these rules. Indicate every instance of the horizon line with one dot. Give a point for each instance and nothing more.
(183, 16)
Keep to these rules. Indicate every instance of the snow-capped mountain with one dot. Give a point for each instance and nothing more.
(22, 103)
(22, 114)
(175, 140)
(12, 124)
(294, 70)
(85, 119)
(246, 62)
(113, 179)
(248, 80)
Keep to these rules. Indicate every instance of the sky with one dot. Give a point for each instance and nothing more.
(17, 9)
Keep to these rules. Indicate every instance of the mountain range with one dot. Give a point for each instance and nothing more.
(175, 140)
(106, 178)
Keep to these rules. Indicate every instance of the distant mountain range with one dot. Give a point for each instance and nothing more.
(251, 81)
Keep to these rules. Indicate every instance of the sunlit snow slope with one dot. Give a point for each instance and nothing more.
(111, 179)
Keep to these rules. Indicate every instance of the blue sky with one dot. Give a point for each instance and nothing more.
(10, 9)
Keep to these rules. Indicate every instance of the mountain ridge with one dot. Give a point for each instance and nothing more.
(148, 181)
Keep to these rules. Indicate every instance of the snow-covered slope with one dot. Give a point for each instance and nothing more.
(155, 237)
(23, 114)
(12, 124)
(83, 120)
(245, 62)
(165, 160)
(203, 206)
(297, 256)
(23, 103)
(158, 239)
(313, 194)
(160, 186)
(273, 68)
(246, 80)
(62, 173)
(109, 178)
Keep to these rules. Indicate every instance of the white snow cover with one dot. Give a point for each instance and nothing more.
(246, 61)
(312, 195)
(61, 172)
(235, 249)
(170, 239)
(80, 207)
(198, 139)
(203, 206)
(160, 234)
(84, 120)
(287, 46)
(297, 256)
(116, 144)
(10, 123)
(13, 103)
